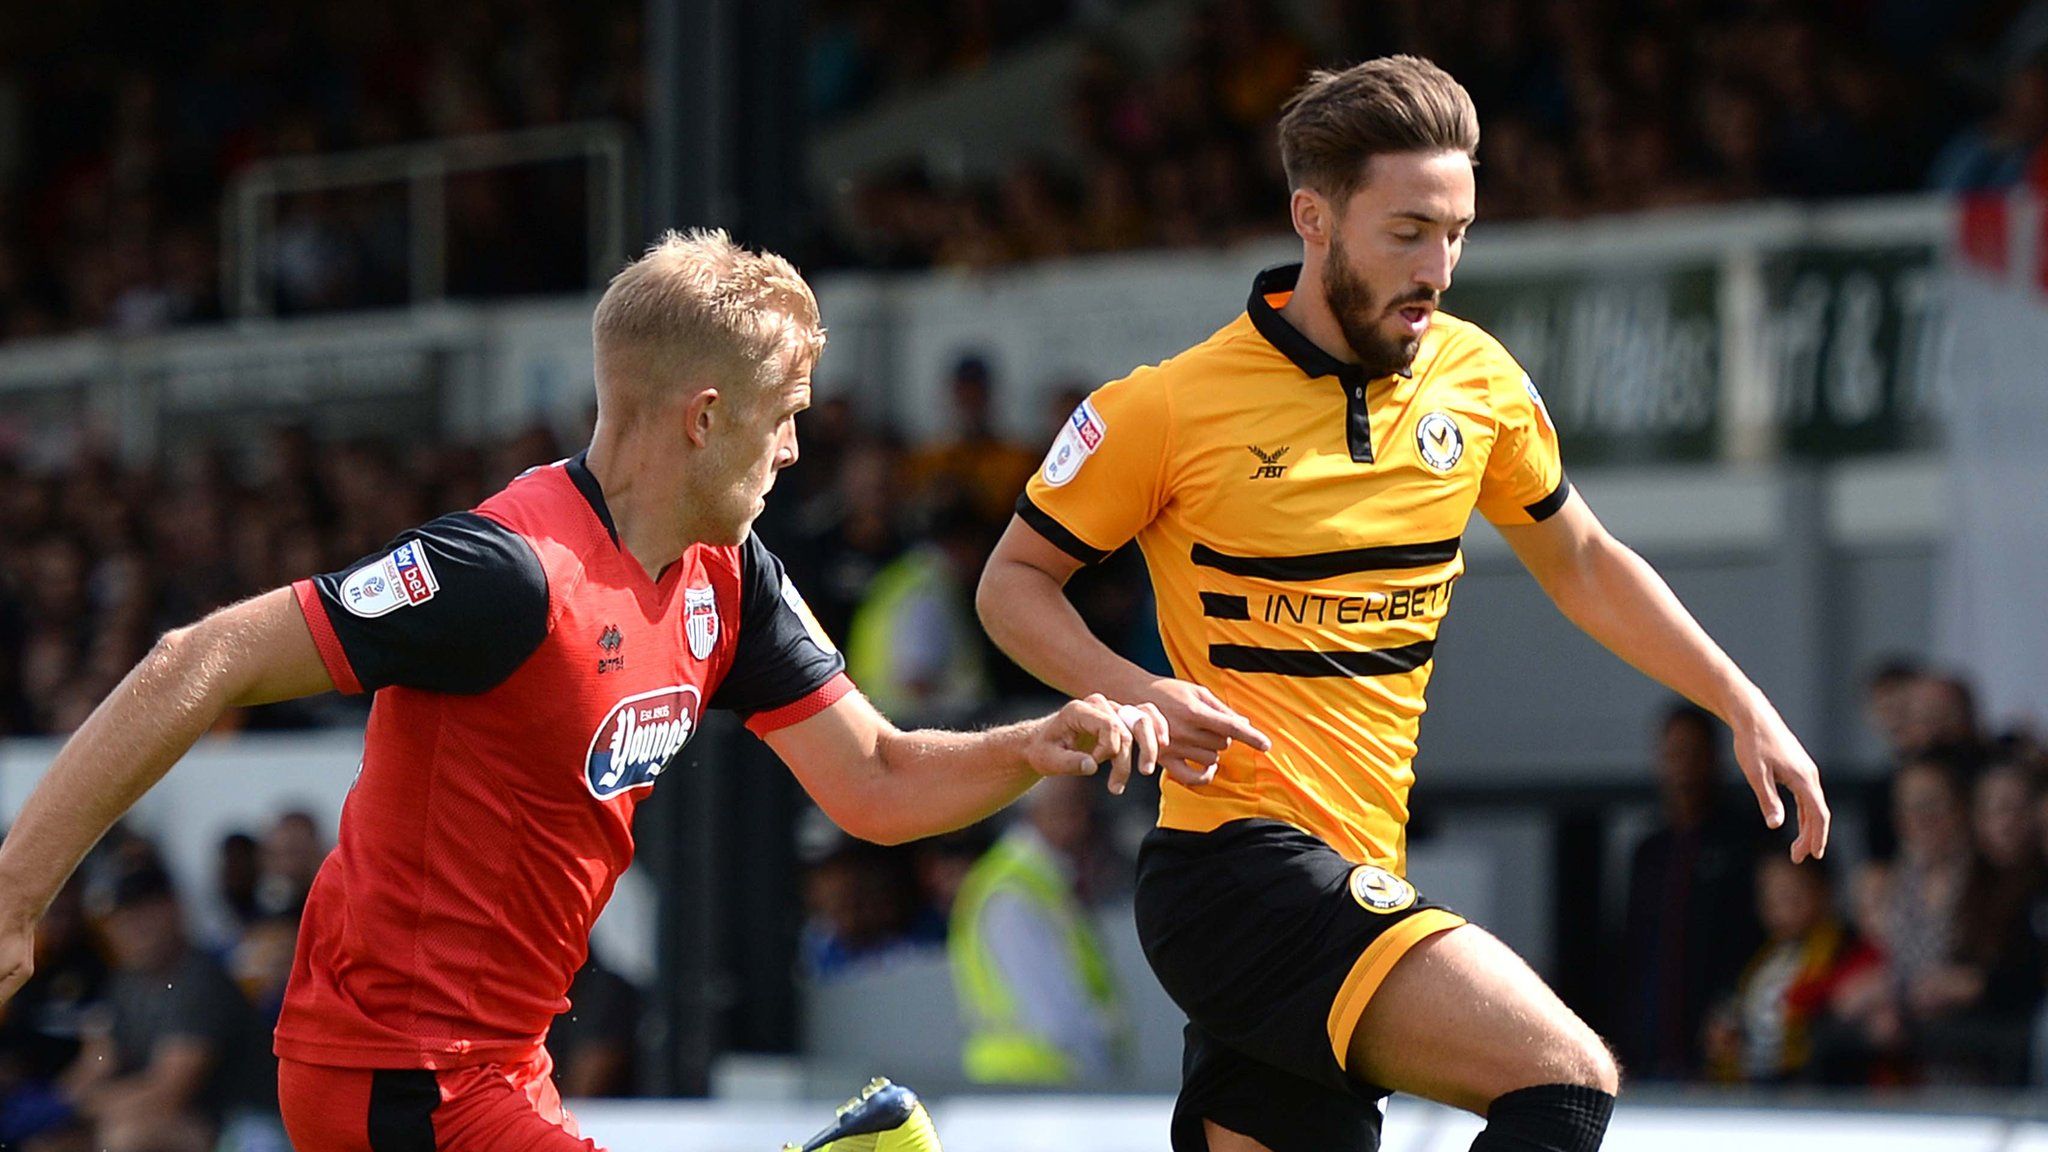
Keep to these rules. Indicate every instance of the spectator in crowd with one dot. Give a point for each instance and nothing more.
(1977, 1004)
(1763, 1033)
(1931, 817)
(914, 645)
(974, 461)
(184, 1061)
(861, 909)
(1935, 715)
(1997, 153)
(1691, 918)
(240, 874)
(594, 1043)
(1941, 720)
(45, 1025)
(848, 535)
(1887, 698)
(1039, 1000)
(1861, 1038)
(291, 856)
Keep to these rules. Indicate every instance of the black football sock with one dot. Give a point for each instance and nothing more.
(1550, 1118)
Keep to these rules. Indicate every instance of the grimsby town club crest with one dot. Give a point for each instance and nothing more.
(700, 620)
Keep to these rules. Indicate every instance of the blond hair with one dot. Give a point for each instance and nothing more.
(1339, 121)
(697, 298)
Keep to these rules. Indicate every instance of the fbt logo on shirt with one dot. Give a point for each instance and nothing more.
(638, 738)
(399, 580)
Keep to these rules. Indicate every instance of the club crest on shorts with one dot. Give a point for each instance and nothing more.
(1378, 890)
(1440, 442)
(700, 619)
(399, 580)
(1078, 439)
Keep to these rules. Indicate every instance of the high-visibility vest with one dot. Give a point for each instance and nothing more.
(1000, 1047)
(872, 633)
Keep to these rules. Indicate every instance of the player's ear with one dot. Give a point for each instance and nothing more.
(700, 411)
(1313, 220)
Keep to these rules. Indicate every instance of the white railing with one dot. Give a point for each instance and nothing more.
(249, 210)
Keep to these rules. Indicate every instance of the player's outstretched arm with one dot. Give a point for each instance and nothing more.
(1614, 595)
(886, 785)
(1023, 603)
(254, 652)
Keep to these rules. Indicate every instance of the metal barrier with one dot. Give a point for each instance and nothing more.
(249, 210)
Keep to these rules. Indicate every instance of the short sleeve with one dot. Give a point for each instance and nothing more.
(1105, 477)
(1524, 481)
(784, 668)
(455, 605)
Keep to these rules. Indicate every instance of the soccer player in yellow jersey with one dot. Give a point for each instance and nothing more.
(1299, 483)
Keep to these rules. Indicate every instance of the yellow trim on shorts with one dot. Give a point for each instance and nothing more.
(1370, 972)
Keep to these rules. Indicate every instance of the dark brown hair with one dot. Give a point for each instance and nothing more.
(1339, 121)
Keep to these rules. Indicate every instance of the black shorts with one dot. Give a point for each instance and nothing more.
(1272, 943)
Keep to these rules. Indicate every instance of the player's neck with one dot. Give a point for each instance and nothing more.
(1309, 311)
(644, 522)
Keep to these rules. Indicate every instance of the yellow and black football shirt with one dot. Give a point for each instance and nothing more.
(1302, 526)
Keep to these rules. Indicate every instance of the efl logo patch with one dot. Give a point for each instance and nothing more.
(399, 580)
(1076, 442)
(700, 619)
(1378, 890)
(1542, 409)
(1440, 442)
(639, 738)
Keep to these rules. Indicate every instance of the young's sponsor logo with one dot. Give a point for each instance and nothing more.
(638, 738)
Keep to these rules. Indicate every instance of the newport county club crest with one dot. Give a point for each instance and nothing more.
(1378, 890)
(1440, 442)
(700, 620)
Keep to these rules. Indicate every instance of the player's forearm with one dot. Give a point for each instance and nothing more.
(1617, 598)
(928, 782)
(1028, 615)
(166, 702)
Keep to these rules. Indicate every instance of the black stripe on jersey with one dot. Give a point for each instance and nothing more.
(1552, 504)
(1042, 522)
(1308, 662)
(1322, 565)
(1218, 606)
(401, 1114)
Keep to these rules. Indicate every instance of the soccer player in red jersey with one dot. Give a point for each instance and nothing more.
(537, 663)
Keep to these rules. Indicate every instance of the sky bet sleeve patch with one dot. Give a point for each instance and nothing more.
(1077, 441)
(399, 580)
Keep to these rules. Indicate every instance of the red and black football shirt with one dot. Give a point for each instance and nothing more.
(532, 683)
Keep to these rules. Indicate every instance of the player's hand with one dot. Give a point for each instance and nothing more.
(1088, 733)
(1201, 727)
(17, 955)
(1771, 758)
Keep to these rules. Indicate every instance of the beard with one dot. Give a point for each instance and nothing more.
(1360, 316)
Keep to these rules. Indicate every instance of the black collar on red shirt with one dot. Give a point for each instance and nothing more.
(580, 475)
(1308, 356)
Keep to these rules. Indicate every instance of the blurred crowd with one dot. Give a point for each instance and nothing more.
(119, 130)
(101, 558)
(121, 124)
(1586, 107)
(1916, 954)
